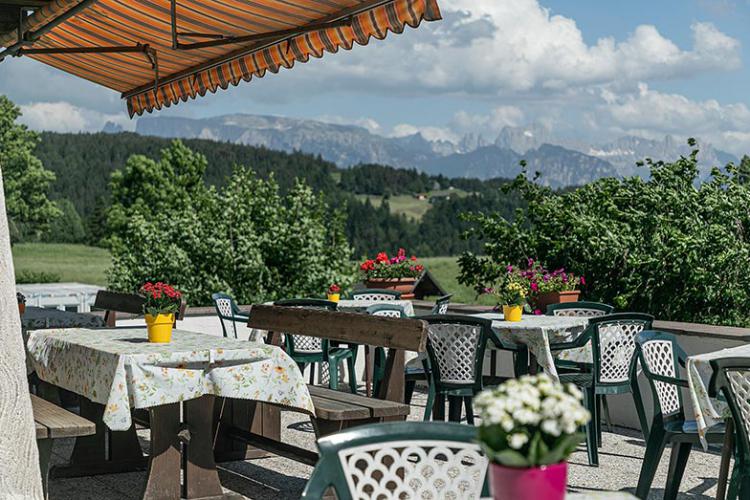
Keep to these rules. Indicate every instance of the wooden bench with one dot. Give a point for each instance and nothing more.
(113, 302)
(53, 422)
(258, 425)
(335, 411)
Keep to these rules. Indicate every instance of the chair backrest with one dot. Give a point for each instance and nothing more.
(387, 310)
(731, 377)
(302, 344)
(455, 348)
(660, 354)
(376, 294)
(613, 345)
(114, 302)
(441, 304)
(401, 460)
(581, 309)
(226, 310)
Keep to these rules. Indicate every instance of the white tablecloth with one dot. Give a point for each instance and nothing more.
(537, 333)
(120, 369)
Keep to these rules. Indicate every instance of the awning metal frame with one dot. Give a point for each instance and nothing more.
(218, 39)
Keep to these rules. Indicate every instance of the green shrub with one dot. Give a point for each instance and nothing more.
(669, 245)
(23, 277)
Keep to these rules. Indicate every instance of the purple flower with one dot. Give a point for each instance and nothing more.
(583, 281)
(509, 268)
(488, 290)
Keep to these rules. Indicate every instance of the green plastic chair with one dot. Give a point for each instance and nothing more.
(613, 370)
(731, 378)
(441, 304)
(306, 350)
(229, 313)
(375, 294)
(581, 308)
(455, 358)
(400, 460)
(660, 357)
(389, 311)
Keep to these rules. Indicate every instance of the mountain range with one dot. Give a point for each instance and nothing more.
(560, 162)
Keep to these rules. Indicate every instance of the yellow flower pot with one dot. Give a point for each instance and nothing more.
(334, 297)
(160, 327)
(512, 313)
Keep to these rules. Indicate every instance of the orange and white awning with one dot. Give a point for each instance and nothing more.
(160, 52)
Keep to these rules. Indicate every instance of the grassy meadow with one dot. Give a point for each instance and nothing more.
(408, 205)
(72, 263)
(83, 264)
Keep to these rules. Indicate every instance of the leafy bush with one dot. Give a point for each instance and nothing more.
(667, 245)
(247, 239)
(23, 277)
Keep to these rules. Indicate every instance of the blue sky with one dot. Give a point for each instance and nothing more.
(591, 70)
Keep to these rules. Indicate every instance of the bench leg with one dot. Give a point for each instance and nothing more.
(45, 453)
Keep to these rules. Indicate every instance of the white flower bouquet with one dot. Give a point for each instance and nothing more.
(532, 421)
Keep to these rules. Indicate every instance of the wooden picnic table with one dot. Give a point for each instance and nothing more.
(117, 370)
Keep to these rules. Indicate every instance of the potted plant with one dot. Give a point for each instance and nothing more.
(511, 294)
(529, 427)
(397, 273)
(551, 287)
(162, 302)
(334, 293)
(21, 302)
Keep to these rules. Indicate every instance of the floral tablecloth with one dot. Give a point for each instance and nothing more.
(120, 369)
(708, 411)
(537, 333)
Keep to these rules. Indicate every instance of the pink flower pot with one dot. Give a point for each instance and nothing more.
(536, 483)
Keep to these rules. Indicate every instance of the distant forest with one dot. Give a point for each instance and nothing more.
(83, 164)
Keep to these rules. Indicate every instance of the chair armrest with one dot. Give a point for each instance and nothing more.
(579, 342)
(241, 317)
(669, 380)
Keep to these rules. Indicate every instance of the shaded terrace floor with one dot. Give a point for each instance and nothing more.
(620, 461)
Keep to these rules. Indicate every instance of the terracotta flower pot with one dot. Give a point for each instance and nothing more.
(544, 299)
(535, 483)
(403, 285)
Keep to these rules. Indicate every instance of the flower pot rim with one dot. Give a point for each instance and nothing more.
(535, 467)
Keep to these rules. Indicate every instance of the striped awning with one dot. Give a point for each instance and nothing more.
(259, 36)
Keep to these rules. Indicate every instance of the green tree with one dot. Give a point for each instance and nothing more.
(247, 239)
(669, 245)
(27, 182)
(68, 227)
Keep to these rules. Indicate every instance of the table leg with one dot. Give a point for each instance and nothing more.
(726, 455)
(201, 476)
(392, 385)
(163, 482)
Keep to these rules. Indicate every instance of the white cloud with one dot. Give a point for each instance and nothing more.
(64, 117)
(429, 133)
(496, 119)
(365, 122)
(652, 113)
(494, 48)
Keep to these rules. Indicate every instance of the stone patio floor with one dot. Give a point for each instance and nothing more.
(279, 478)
